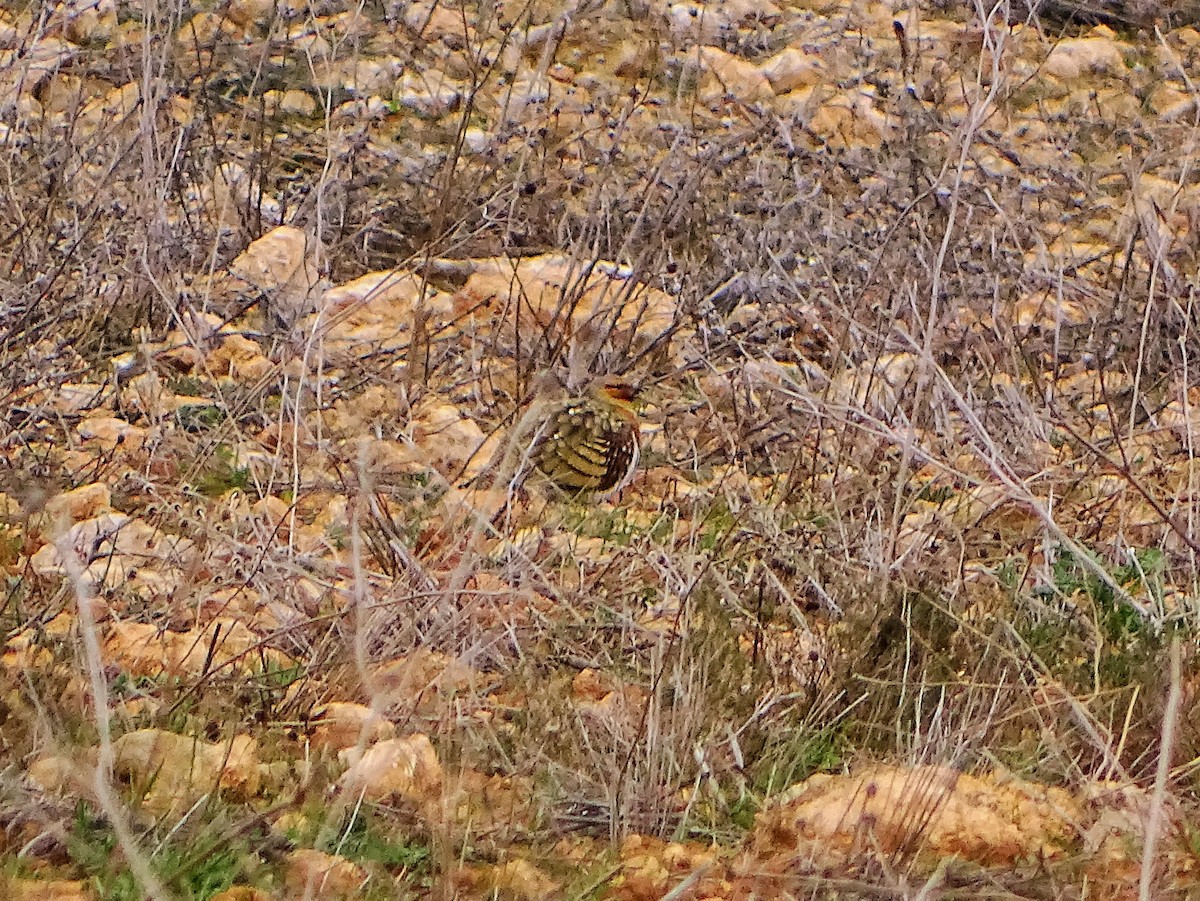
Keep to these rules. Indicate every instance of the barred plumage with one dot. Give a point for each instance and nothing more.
(590, 445)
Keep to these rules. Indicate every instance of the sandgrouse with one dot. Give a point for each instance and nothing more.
(589, 444)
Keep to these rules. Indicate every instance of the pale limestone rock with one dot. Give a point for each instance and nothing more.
(24, 67)
(852, 119)
(239, 358)
(85, 502)
(250, 12)
(16, 889)
(705, 22)
(447, 438)
(994, 165)
(405, 768)
(282, 265)
(58, 774)
(109, 432)
(992, 820)
(119, 105)
(1073, 57)
(292, 102)
(143, 649)
(340, 724)
(435, 21)
(309, 873)
(24, 654)
(794, 68)
(730, 75)
(309, 39)
(362, 109)
(1170, 102)
(376, 311)
(361, 77)
(429, 93)
(73, 397)
(206, 29)
(426, 679)
(298, 103)
(510, 293)
(175, 770)
(89, 21)
(92, 536)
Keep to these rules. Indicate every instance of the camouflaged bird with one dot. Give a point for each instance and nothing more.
(589, 445)
(581, 447)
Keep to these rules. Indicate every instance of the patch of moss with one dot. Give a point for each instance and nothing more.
(222, 475)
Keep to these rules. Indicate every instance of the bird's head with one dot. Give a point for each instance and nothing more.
(618, 389)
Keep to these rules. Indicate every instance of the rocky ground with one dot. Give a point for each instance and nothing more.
(902, 602)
